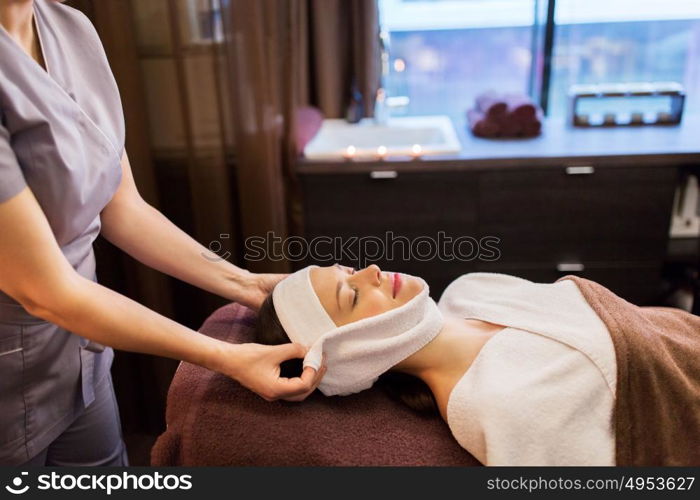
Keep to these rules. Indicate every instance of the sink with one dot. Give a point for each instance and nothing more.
(435, 135)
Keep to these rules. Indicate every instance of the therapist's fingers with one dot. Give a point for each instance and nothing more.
(285, 352)
(261, 371)
(297, 386)
(317, 376)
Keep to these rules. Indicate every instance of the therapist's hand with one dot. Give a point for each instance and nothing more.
(257, 288)
(257, 367)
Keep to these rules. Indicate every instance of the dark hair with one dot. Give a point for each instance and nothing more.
(403, 387)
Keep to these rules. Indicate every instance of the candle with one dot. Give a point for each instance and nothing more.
(581, 120)
(637, 118)
(416, 150)
(610, 119)
(664, 117)
(350, 152)
(381, 152)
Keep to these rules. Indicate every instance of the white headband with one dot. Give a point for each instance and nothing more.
(299, 309)
(356, 353)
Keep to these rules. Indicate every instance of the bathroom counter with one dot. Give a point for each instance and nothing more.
(559, 143)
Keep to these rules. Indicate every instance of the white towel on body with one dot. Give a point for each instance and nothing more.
(542, 390)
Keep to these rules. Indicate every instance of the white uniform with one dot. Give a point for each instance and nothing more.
(542, 390)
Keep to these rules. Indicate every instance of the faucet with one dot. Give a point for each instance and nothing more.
(381, 112)
(382, 102)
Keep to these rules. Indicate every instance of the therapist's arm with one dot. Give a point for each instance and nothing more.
(35, 273)
(140, 230)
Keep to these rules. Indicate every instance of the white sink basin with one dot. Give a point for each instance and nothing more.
(337, 138)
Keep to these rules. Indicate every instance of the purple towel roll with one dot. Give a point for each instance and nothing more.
(521, 107)
(481, 126)
(492, 105)
(505, 115)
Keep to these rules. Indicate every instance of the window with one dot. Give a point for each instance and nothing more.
(445, 52)
(621, 41)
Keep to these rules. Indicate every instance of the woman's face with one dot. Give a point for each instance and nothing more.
(348, 295)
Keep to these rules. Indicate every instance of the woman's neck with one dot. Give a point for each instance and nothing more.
(443, 361)
(16, 17)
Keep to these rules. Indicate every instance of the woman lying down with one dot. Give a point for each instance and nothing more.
(523, 373)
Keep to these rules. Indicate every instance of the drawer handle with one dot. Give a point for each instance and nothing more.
(383, 174)
(580, 170)
(570, 267)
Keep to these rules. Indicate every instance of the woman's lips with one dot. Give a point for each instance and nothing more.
(397, 283)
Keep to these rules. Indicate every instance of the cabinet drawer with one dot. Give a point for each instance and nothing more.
(613, 214)
(410, 204)
(640, 285)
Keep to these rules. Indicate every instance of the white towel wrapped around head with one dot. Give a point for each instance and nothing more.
(357, 353)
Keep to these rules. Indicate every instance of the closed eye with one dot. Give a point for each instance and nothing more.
(351, 271)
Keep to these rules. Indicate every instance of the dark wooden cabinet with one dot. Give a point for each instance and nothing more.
(606, 221)
(558, 214)
(394, 217)
(606, 224)
(371, 203)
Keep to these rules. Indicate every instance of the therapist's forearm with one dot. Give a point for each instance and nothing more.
(147, 235)
(100, 314)
(95, 312)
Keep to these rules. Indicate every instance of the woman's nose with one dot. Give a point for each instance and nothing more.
(371, 274)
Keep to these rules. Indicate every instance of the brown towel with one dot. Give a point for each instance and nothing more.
(657, 410)
(212, 420)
